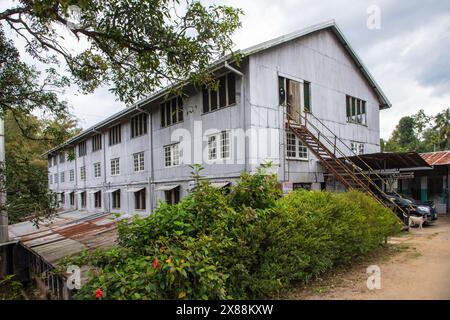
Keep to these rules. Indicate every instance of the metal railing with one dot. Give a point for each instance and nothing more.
(336, 150)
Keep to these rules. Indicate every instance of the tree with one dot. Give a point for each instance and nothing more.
(442, 129)
(134, 46)
(27, 191)
(404, 137)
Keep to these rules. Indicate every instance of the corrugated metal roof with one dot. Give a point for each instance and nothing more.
(437, 158)
(389, 160)
(68, 234)
(384, 102)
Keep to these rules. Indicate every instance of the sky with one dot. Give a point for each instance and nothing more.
(406, 47)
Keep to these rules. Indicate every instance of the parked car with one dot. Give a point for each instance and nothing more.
(415, 207)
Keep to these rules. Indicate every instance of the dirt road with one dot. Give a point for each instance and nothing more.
(416, 266)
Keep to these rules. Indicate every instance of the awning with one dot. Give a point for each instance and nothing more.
(135, 189)
(94, 191)
(167, 187)
(390, 160)
(111, 190)
(220, 185)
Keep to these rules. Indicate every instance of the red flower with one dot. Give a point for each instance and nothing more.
(155, 263)
(99, 293)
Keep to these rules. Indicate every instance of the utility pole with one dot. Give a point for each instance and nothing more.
(3, 214)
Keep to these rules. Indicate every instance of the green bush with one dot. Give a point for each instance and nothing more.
(248, 243)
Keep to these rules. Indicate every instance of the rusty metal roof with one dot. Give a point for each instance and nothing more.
(437, 158)
(68, 234)
(390, 160)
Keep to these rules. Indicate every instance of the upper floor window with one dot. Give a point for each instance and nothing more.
(50, 161)
(50, 179)
(97, 170)
(82, 149)
(83, 173)
(171, 155)
(219, 145)
(71, 175)
(138, 125)
(356, 110)
(357, 147)
(138, 160)
(295, 149)
(62, 157)
(55, 178)
(62, 177)
(115, 167)
(223, 97)
(171, 111)
(115, 134)
(96, 142)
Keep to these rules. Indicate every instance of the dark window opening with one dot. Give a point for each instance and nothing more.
(172, 196)
(116, 199)
(224, 96)
(139, 200)
(98, 199)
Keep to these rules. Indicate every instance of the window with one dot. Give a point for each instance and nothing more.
(357, 147)
(223, 97)
(115, 167)
(171, 111)
(307, 95)
(55, 178)
(171, 155)
(295, 149)
(96, 142)
(62, 177)
(50, 161)
(55, 161)
(116, 199)
(138, 161)
(97, 170)
(138, 125)
(63, 198)
(83, 199)
(82, 149)
(83, 173)
(62, 157)
(115, 134)
(72, 175)
(139, 200)
(219, 146)
(50, 179)
(356, 110)
(98, 199)
(172, 196)
(72, 198)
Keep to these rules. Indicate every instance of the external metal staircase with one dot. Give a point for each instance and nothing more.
(328, 147)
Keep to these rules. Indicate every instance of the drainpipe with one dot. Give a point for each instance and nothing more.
(243, 107)
(3, 213)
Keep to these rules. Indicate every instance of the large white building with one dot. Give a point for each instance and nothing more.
(130, 161)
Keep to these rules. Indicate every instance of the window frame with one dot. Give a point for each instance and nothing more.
(219, 145)
(96, 142)
(356, 110)
(82, 149)
(296, 148)
(230, 95)
(138, 125)
(83, 173)
(62, 157)
(167, 119)
(173, 151)
(71, 175)
(142, 194)
(115, 134)
(116, 166)
(97, 170)
(139, 161)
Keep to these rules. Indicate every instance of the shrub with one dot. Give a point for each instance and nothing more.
(249, 243)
